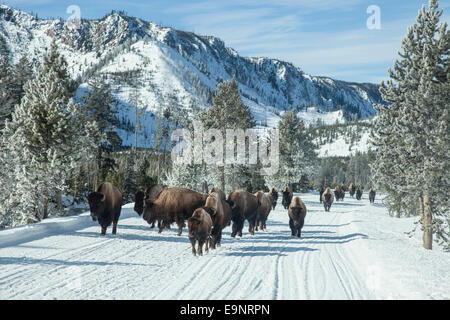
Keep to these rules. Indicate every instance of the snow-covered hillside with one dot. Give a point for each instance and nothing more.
(174, 62)
(356, 251)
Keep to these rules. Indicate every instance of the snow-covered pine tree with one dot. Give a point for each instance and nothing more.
(6, 84)
(42, 142)
(99, 105)
(297, 156)
(411, 134)
(228, 112)
(130, 181)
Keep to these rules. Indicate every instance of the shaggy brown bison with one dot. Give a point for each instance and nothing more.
(287, 197)
(199, 227)
(352, 189)
(220, 212)
(339, 193)
(105, 205)
(359, 193)
(372, 195)
(297, 213)
(327, 199)
(244, 206)
(273, 197)
(171, 205)
(263, 211)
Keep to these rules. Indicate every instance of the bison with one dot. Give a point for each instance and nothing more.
(199, 227)
(105, 205)
(244, 206)
(171, 205)
(372, 195)
(327, 199)
(273, 197)
(297, 213)
(352, 189)
(220, 212)
(359, 193)
(287, 197)
(339, 193)
(263, 211)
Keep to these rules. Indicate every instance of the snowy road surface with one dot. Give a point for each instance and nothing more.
(356, 251)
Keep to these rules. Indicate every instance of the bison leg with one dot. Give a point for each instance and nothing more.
(200, 245)
(103, 231)
(180, 223)
(219, 239)
(161, 226)
(114, 230)
(192, 239)
(207, 244)
(237, 227)
(291, 225)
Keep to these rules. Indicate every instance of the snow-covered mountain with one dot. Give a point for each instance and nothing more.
(180, 64)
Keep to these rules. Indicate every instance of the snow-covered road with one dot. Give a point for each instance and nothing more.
(356, 251)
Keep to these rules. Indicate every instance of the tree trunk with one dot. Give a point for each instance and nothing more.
(426, 221)
(75, 187)
(45, 214)
(36, 204)
(59, 200)
(222, 177)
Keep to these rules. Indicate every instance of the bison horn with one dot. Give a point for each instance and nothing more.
(103, 198)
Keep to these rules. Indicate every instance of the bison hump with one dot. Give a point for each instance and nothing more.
(153, 192)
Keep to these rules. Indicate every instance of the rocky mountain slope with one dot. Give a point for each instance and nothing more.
(163, 62)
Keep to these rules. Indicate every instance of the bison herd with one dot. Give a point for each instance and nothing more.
(208, 214)
(327, 197)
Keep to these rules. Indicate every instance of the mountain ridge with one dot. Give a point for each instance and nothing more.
(180, 63)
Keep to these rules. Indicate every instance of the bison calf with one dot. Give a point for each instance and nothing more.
(199, 226)
(297, 213)
(105, 205)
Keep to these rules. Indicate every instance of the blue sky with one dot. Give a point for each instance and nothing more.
(322, 37)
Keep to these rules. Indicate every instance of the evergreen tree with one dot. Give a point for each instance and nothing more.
(228, 112)
(411, 134)
(130, 181)
(99, 105)
(297, 154)
(42, 143)
(6, 84)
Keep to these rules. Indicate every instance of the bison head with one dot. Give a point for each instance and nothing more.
(149, 215)
(139, 202)
(296, 214)
(194, 222)
(96, 204)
